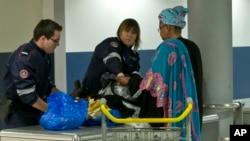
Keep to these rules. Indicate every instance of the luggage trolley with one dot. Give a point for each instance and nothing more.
(146, 134)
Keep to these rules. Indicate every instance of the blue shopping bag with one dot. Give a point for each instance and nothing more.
(64, 112)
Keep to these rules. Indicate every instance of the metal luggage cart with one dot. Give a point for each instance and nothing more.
(146, 134)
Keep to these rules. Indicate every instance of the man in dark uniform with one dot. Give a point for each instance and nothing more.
(27, 82)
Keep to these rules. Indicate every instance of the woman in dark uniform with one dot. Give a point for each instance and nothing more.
(113, 57)
(116, 56)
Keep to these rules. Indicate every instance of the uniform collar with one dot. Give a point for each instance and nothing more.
(33, 44)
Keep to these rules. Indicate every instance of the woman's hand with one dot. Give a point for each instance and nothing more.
(120, 74)
(122, 80)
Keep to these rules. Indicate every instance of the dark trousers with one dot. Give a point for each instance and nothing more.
(21, 116)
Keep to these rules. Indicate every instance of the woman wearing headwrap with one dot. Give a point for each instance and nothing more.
(171, 78)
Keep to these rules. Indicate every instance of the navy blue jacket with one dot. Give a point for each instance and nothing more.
(27, 76)
(112, 56)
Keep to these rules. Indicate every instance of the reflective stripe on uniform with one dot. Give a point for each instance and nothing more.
(111, 55)
(26, 91)
(25, 53)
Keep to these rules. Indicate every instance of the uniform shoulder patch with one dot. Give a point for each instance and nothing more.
(23, 73)
(114, 44)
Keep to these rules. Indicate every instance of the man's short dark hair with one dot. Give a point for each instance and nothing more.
(45, 27)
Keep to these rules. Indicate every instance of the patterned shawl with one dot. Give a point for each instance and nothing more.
(171, 80)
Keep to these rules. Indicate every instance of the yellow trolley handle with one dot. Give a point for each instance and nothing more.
(106, 112)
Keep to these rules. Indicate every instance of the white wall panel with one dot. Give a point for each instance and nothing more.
(241, 22)
(88, 22)
(17, 20)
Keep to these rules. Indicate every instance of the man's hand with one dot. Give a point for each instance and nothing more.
(54, 89)
(40, 105)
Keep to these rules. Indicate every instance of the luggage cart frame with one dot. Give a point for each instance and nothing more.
(147, 134)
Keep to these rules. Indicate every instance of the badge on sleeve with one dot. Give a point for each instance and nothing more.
(23, 73)
(114, 44)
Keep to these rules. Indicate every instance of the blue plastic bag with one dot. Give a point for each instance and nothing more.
(64, 112)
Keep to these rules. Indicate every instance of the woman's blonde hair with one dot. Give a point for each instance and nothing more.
(128, 24)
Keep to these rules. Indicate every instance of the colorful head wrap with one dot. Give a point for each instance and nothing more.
(174, 16)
